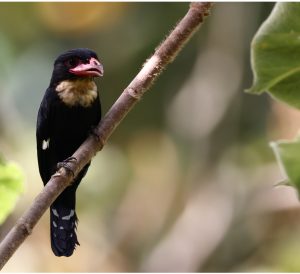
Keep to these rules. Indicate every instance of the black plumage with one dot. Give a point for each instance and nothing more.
(68, 112)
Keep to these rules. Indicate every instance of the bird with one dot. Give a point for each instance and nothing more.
(68, 113)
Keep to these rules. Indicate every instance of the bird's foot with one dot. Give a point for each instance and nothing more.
(66, 165)
(93, 132)
(97, 136)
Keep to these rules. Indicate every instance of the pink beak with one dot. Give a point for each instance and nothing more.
(93, 68)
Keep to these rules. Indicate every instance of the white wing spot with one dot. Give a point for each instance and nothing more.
(68, 217)
(54, 224)
(45, 144)
(54, 211)
(61, 228)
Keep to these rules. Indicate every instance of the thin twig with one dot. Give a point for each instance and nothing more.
(164, 54)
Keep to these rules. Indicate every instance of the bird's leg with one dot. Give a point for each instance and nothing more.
(65, 164)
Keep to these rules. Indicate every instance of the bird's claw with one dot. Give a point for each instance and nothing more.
(93, 132)
(65, 164)
(98, 137)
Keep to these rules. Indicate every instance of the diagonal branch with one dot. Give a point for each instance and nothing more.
(164, 54)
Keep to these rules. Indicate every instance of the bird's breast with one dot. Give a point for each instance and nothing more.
(70, 127)
(80, 92)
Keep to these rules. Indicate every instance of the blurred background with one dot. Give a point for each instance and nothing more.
(186, 182)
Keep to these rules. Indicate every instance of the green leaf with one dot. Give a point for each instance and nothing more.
(288, 156)
(11, 186)
(275, 54)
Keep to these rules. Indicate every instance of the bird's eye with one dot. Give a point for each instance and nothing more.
(73, 62)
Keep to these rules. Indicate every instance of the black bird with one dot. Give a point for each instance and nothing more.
(67, 114)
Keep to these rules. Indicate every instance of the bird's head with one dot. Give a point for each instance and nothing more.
(76, 64)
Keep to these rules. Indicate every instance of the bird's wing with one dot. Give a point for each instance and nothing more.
(43, 134)
(98, 111)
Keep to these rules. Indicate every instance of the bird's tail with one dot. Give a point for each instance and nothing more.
(63, 219)
(63, 222)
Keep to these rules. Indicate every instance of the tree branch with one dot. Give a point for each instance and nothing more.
(164, 54)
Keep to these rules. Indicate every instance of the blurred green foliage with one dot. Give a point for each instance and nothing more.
(11, 186)
(287, 153)
(275, 54)
(186, 181)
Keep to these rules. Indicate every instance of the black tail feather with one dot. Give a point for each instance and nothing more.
(63, 223)
(63, 219)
